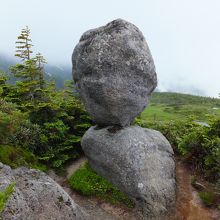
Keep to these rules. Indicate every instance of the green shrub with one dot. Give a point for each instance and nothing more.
(89, 183)
(59, 144)
(50, 127)
(62, 120)
(10, 120)
(199, 145)
(4, 195)
(172, 130)
(28, 136)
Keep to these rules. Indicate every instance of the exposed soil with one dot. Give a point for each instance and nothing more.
(96, 208)
(188, 205)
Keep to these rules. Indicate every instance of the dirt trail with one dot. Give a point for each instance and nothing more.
(96, 208)
(188, 205)
(70, 169)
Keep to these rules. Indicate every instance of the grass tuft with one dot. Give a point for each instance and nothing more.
(208, 198)
(89, 183)
(4, 195)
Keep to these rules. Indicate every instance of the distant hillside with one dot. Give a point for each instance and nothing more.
(6, 62)
(172, 98)
(60, 74)
(167, 106)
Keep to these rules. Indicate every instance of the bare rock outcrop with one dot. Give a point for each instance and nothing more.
(114, 72)
(36, 197)
(138, 161)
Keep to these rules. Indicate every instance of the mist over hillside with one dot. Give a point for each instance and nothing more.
(59, 73)
(62, 73)
(180, 87)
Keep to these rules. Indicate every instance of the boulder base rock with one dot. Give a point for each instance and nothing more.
(36, 197)
(114, 72)
(138, 161)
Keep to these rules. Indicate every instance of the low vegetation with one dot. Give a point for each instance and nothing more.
(208, 198)
(39, 124)
(18, 156)
(198, 145)
(4, 195)
(89, 183)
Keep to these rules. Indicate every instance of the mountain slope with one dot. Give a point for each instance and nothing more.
(60, 74)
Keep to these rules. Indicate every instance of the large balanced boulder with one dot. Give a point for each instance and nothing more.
(138, 161)
(36, 197)
(114, 72)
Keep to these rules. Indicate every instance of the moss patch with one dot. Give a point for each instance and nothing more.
(16, 156)
(208, 198)
(89, 183)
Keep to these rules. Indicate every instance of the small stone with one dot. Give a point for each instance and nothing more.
(198, 186)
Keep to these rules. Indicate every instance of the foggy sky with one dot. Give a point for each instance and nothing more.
(183, 35)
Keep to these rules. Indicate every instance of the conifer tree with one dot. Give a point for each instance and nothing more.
(24, 45)
(40, 61)
(3, 84)
(30, 72)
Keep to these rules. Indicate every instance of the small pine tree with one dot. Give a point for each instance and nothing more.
(29, 87)
(24, 45)
(40, 61)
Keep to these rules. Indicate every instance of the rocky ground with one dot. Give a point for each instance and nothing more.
(35, 196)
(96, 208)
(188, 205)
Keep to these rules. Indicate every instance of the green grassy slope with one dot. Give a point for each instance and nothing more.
(164, 106)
